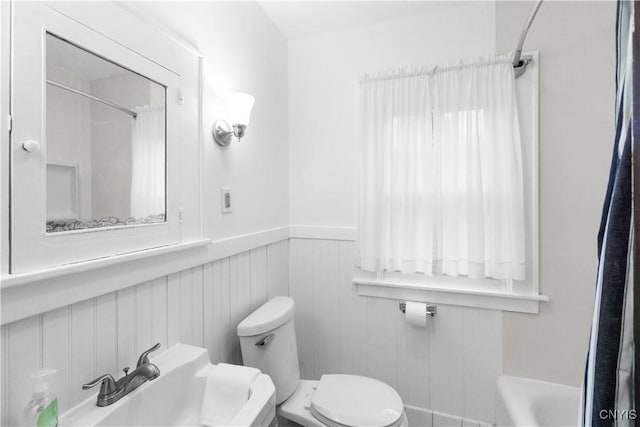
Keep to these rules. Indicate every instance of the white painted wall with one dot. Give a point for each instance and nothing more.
(242, 52)
(324, 72)
(576, 41)
(449, 367)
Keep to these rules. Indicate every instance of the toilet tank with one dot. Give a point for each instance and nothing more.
(268, 342)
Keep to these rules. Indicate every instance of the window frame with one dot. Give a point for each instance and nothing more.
(519, 296)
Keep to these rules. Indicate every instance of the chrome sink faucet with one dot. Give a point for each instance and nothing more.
(111, 390)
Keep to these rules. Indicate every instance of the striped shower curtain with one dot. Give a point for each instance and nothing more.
(608, 398)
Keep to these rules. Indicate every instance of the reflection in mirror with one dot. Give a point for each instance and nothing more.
(106, 142)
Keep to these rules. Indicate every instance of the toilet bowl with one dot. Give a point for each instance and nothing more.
(268, 342)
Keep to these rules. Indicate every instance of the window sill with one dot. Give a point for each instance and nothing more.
(479, 297)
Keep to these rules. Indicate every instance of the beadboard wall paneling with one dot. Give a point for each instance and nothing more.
(199, 306)
(278, 269)
(449, 367)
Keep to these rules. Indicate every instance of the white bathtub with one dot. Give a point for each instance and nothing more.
(524, 402)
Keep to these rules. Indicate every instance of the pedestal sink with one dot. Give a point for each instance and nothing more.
(175, 398)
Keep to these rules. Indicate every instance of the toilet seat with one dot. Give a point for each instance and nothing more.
(353, 400)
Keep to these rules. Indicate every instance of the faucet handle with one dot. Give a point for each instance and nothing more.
(107, 384)
(144, 357)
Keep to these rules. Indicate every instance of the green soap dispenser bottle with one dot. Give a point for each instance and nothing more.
(42, 410)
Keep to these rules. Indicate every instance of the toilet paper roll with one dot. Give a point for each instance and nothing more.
(416, 313)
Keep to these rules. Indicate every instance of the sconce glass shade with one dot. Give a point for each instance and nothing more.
(239, 106)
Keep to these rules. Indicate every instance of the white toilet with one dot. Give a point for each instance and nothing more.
(268, 342)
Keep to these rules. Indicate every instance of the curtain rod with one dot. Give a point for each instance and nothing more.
(520, 64)
(425, 71)
(93, 97)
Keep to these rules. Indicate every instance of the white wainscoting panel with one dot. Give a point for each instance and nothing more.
(107, 325)
(278, 269)
(420, 417)
(449, 367)
(199, 306)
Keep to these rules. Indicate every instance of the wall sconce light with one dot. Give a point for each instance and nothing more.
(239, 106)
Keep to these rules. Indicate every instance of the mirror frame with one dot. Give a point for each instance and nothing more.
(32, 248)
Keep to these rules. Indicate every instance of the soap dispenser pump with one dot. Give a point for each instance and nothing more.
(42, 410)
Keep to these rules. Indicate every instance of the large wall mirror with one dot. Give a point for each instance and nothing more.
(106, 142)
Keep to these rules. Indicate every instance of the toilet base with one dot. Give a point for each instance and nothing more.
(297, 407)
(283, 422)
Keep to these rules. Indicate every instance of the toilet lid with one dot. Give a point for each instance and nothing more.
(352, 400)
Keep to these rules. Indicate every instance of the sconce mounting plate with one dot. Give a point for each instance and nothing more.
(222, 133)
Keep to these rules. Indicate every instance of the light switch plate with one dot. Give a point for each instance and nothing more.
(225, 199)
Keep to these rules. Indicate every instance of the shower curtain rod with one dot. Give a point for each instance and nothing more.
(422, 71)
(519, 62)
(95, 98)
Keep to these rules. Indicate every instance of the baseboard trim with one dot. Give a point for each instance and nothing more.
(427, 418)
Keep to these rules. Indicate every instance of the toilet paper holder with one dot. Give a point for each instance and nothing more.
(431, 310)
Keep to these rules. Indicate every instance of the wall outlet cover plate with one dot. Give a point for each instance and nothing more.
(225, 199)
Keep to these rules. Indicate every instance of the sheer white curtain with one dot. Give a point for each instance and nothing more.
(442, 181)
(148, 163)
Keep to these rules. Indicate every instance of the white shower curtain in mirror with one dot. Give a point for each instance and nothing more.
(148, 163)
(441, 179)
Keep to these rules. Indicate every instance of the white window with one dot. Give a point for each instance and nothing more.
(448, 194)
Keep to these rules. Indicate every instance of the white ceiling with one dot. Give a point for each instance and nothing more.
(297, 19)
